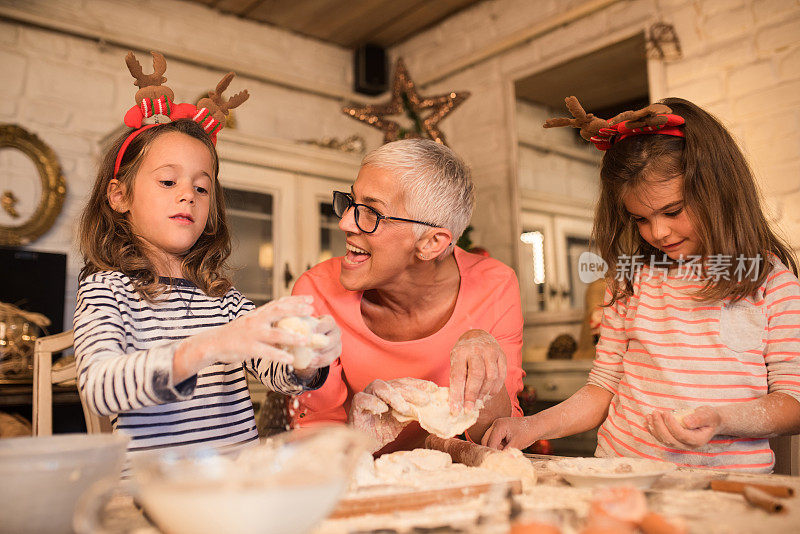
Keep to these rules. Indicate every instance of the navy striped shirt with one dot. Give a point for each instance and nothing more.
(124, 348)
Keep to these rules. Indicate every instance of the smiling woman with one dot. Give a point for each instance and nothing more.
(410, 303)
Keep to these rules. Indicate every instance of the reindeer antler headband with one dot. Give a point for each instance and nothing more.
(154, 103)
(654, 119)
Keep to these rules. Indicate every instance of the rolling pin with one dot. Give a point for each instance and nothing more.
(460, 451)
(731, 486)
(763, 500)
(415, 500)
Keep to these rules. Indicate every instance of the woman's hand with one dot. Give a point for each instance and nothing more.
(326, 355)
(696, 430)
(252, 335)
(477, 369)
(371, 409)
(510, 432)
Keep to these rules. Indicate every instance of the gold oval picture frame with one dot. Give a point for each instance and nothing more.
(53, 190)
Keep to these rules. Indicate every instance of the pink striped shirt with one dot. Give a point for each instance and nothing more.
(661, 349)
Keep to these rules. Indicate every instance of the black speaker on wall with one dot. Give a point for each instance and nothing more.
(371, 72)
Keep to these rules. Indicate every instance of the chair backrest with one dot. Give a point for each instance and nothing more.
(43, 379)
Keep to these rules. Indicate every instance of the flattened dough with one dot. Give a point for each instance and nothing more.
(435, 417)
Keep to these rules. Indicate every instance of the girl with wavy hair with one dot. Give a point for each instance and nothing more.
(698, 360)
(162, 338)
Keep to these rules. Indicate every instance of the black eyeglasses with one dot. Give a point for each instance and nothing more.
(367, 218)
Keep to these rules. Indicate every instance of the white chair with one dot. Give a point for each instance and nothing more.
(44, 376)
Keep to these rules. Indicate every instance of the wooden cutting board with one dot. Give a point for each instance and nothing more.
(413, 500)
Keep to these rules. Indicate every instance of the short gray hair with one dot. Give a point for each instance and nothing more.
(436, 183)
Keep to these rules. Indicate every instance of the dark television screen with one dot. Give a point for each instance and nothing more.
(34, 281)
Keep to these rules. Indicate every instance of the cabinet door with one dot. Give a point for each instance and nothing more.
(319, 227)
(538, 273)
(550, 247)
(572, 238)
(260, 206)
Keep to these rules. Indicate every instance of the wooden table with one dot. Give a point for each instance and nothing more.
(680, 494)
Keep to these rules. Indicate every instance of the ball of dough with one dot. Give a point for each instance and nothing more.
(303, 326)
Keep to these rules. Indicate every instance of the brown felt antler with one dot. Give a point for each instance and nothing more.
(217, 105)
(652, 115)
(588, 124)
(149, 84)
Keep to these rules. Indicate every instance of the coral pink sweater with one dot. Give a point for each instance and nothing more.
(488, 299)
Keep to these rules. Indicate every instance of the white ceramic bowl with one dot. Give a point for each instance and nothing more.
(286, 486)
(587, 472)
(42, 478)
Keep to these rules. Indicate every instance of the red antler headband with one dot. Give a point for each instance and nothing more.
(154, 104)
(654, 119)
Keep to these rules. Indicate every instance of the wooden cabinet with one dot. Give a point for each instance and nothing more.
(550, 246)
(279, 197)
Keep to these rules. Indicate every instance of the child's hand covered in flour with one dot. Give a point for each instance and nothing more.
(323, 342)
(253, 335)
(687, 432)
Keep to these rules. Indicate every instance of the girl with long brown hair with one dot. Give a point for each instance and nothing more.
(698, 360)
(162, 338)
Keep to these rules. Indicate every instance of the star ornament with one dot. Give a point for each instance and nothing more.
(406, 99)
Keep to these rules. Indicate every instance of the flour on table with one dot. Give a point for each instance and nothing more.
(395, 466)
(303, 326)
(610, 466)
(435, 417)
